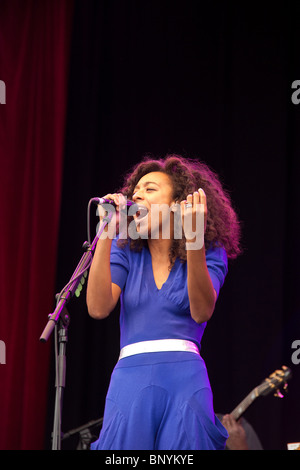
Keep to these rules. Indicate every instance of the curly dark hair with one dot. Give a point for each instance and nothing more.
(187, 176)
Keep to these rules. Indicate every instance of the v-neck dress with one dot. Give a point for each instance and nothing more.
(160, 400)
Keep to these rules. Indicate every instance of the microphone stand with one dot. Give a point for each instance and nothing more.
(85, 435)
(61, 317)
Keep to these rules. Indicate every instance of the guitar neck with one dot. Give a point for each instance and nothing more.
(241, 408)
(272, 383)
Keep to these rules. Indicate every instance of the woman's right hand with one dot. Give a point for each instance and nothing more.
(104, 209)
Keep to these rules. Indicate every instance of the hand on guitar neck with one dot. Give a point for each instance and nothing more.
(237, 439)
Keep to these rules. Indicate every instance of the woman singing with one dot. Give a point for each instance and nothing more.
(159, 396)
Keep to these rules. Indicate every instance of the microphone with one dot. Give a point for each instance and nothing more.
(143, 211)
(103, 200)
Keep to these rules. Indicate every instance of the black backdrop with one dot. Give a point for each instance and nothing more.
(209, 80)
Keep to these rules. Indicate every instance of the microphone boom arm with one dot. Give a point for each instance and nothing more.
(69, 290)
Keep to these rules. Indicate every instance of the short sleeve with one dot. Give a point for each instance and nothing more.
(217, 265)
(119, 264)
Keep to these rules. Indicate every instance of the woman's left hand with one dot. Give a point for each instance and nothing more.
(194, 215)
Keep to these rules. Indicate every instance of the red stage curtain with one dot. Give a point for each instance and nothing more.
(34, 53)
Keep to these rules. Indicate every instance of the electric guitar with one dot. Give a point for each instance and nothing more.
(273, 383)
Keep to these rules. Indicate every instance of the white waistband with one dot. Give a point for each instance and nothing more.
(158, 345)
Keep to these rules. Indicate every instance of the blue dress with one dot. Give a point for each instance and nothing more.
(160, 400)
